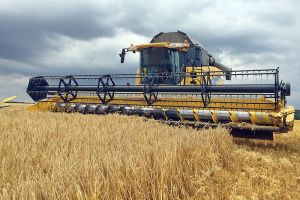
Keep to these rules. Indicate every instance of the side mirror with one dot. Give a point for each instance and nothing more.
(122, 55)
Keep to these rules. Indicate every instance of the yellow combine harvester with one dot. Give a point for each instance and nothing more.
(180, 83)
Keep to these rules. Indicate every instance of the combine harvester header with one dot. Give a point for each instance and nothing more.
(178, 82)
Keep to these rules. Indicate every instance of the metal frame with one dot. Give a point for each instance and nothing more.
(101, 91)
(64, 88)
(149, 95)
(115, 86)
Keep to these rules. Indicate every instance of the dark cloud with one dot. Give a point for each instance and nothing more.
(25, 35)
(72, 37)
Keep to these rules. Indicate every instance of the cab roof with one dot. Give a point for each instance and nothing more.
(174, 37)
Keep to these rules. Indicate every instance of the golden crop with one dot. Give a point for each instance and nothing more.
(75, 156)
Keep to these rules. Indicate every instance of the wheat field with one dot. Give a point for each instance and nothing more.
(75, 156)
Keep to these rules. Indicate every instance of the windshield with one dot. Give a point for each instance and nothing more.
(162, 60)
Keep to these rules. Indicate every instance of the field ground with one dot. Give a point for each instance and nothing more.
(75, 156)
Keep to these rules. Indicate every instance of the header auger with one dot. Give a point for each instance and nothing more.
(180, 83)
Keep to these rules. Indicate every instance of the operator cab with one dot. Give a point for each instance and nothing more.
(163, 62)
(170, 55)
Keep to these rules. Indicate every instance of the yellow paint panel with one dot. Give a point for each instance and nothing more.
(180, 46)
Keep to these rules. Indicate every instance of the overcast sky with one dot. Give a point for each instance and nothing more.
(44, 37)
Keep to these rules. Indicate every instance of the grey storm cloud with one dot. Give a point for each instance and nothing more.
(85, 37)
(25, 35)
